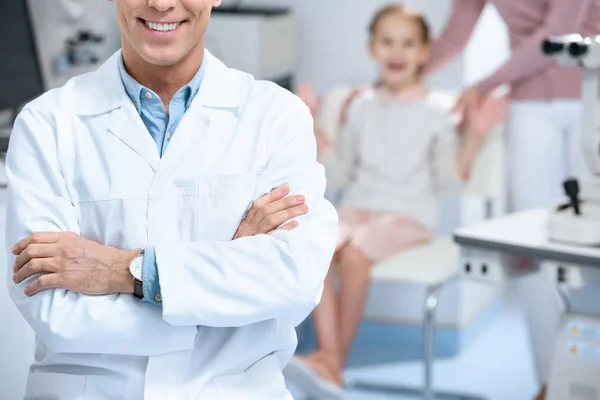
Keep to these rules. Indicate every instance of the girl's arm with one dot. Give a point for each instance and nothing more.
(454, 153)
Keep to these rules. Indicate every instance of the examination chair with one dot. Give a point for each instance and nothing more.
(438, 263)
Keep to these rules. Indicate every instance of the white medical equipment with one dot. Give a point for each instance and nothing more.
(73, 37)
(578, 222)
(563, 240)
(262, 41)
(518, 244)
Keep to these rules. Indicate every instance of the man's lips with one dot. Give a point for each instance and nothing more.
(161, 26)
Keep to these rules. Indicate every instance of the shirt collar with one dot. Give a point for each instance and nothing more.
(135, 90)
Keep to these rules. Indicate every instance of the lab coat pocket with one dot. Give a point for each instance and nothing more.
(48, 385)
(222, 203)
(263, 380)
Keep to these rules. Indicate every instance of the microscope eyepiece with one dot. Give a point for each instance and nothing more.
(550, 47)
(578, 49)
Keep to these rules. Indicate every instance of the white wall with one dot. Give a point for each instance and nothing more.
(488, 47)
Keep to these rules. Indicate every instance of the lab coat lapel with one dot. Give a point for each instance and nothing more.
(194, 124)
(126, 124)
(214, 111)
(105, 93)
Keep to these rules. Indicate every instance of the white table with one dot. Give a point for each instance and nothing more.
(524, 235)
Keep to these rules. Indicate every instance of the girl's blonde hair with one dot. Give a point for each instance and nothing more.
(406, 11)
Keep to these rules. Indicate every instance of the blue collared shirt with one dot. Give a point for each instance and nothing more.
(161, 127)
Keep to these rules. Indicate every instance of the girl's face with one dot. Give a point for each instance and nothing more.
(398, 48)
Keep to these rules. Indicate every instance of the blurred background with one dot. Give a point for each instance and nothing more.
(481, 344)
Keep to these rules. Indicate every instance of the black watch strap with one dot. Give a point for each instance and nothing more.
(138, 288)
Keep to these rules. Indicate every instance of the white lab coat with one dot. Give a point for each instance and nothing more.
(81, 160)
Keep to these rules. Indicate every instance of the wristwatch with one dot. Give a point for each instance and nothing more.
(135, 268)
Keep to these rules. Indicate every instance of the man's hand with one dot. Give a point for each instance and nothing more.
(271, 211)
(69, 261)
(65, 260)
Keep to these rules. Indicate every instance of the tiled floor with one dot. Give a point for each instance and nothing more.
(496, 366)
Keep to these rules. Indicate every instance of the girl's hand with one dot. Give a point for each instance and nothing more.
(306, 92)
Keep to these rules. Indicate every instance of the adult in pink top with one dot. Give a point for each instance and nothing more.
(544, 108)
(543, 126)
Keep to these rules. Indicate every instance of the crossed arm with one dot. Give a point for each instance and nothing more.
(57, 271)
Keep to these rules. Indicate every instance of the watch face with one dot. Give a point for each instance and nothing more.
(136, 267)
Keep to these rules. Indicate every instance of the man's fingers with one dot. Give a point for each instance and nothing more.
(48, 281)
(289, 226)
(274, 195)
(280, 205)
(35, 251)
(275, 220)
(286, 227)
(37, 238)
(34, 267)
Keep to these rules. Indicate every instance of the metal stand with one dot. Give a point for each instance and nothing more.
(427, 392)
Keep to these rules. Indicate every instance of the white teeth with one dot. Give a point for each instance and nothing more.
(162, 27)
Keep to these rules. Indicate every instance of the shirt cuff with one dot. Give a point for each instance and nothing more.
(150, 278)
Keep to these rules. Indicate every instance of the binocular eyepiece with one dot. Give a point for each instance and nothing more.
(578, 49)
(557, 44)
(574, 50)
(551, 47)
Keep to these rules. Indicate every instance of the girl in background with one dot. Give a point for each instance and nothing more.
(399, 148)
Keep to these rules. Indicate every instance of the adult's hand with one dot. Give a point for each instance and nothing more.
(272, 212)
(66, 260)
(492, 111)
(69, 261)
(466, 105)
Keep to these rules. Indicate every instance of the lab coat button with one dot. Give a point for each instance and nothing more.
(158, 298)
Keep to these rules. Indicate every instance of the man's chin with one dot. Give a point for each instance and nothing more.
(162, 57)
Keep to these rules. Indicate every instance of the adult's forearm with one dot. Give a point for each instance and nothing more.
(249, 280)
(527, 59)
(456, 34)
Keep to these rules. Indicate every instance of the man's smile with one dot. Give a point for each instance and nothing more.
(163, 27)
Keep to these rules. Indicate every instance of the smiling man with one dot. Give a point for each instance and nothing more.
(134, 256)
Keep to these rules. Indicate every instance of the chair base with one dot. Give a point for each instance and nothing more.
(409, 391)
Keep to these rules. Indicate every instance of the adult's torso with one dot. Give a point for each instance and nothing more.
(126, 196)
(522, 19)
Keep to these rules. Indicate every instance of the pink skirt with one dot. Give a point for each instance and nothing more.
(379, 235)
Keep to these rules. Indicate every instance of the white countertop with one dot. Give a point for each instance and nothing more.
(526, 234)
